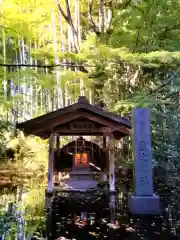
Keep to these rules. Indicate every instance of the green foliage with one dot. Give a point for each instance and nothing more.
(32, 212)
(30, 158)
(4, 137)
(35, 204)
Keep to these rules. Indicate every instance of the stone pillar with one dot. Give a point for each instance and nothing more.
(143, 201)
(51, 163)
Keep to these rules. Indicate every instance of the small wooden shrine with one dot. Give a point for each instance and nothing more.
(79, 119)
(81, 177)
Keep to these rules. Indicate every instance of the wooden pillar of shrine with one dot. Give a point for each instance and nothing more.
(50, 163)
(106, 159)
(110, 159)
(58, 144)
(111, 165)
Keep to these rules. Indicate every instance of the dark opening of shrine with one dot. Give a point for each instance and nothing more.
(82, 149)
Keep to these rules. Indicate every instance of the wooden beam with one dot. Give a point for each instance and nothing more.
(113, 125)
(85, 131)
(77, 133)
(51, 124)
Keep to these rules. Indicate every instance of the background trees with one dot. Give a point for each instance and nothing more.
(122, 52)
(125, 53)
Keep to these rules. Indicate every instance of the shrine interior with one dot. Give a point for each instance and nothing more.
(63, 159)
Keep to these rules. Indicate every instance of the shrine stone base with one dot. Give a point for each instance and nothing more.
(144, 204)
(81, 179)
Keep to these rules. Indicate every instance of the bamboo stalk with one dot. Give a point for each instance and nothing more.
(31, 85)
(4, 55)
(58, 92)
(101, 17)
(36, 87)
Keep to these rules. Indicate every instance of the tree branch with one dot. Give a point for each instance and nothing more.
(171, 95)
(165, 84)
(7, 28)
(137, 38)
(95, 28)
(126, 4)
(68, 19)
(175, 27)
(46, 66)
(110, 22)
(62, 12)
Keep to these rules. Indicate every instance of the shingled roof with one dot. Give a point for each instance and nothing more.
(81, 105)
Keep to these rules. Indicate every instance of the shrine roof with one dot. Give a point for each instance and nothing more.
(82, 105)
